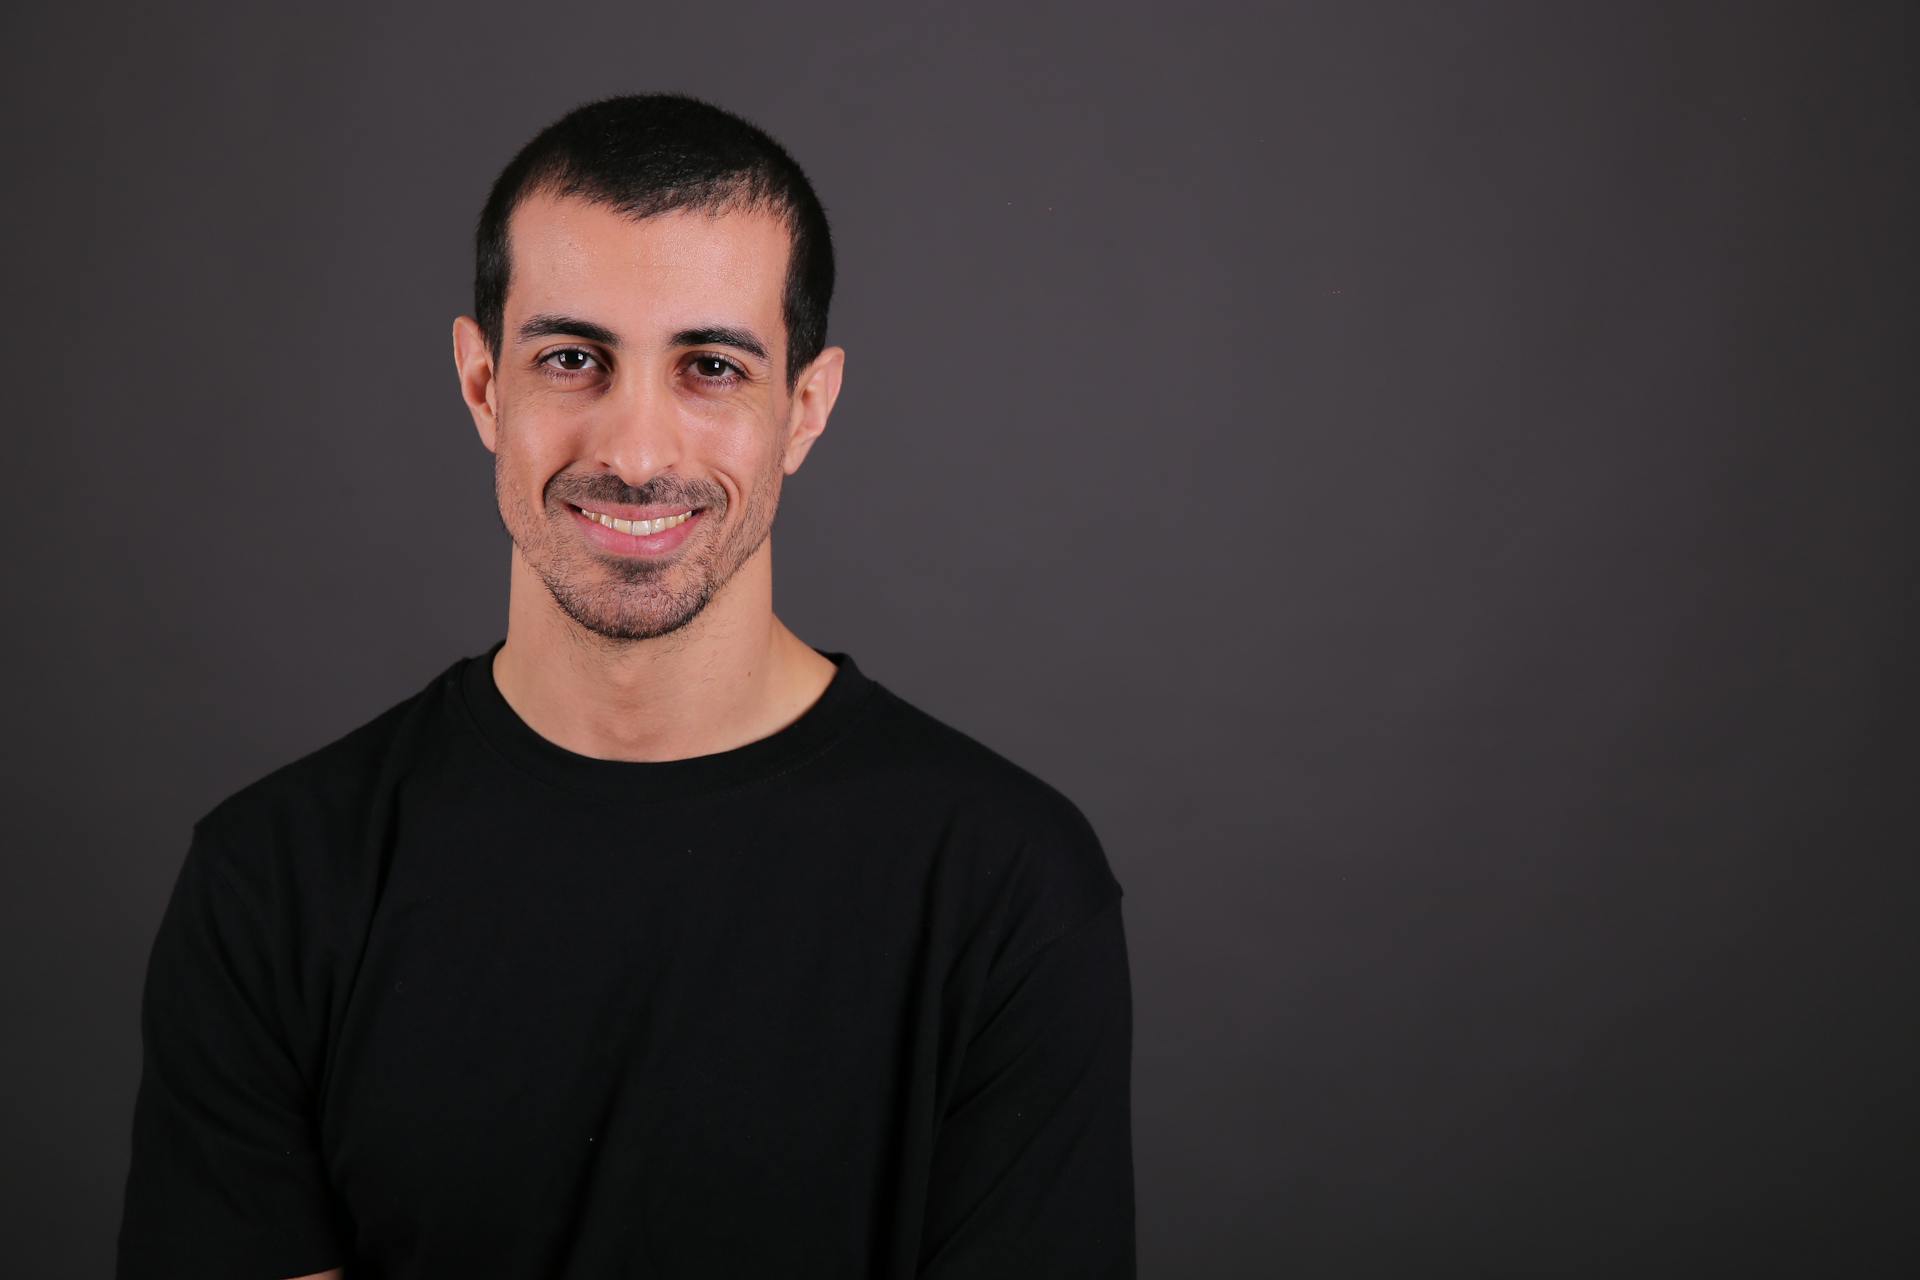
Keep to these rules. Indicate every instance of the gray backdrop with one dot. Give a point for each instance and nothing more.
(1431, 481)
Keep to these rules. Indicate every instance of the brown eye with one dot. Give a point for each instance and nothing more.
(717, 369)
(568, 360)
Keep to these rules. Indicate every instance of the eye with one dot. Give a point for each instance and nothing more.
(573, 360)
(716, 370)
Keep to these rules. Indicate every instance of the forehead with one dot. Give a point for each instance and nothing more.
(577, 257)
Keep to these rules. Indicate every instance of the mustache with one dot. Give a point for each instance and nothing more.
(621, 495)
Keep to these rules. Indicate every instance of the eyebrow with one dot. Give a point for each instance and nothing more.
(548, 325)
(720, 336)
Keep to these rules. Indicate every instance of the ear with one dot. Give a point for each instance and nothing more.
(474, 363)
(813, 397)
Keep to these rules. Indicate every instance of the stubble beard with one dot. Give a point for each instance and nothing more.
(620, 599)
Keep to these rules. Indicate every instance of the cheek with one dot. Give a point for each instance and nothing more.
(532, 448)
(734, 453)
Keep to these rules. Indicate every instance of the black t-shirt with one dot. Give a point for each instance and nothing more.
(444, 998)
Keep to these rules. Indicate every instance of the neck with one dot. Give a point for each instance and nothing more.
(733, 675)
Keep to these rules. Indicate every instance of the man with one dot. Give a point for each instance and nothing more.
(653, 941)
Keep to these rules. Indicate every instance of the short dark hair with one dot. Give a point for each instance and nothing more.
(650, 153)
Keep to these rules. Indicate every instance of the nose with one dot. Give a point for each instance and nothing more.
(637, 432)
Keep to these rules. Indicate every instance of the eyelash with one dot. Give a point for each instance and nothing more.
(567, 375)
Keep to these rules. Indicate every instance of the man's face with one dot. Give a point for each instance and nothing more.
(642, 364)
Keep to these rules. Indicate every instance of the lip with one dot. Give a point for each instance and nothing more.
(645, 547)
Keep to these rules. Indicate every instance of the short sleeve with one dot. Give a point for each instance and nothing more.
(226, 1178)
(1033, 1162)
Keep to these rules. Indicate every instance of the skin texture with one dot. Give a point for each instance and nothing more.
(608, 656)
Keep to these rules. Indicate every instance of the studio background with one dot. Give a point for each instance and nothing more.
(1433, 483)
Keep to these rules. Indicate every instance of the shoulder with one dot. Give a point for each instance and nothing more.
(1030, 851)
(286, 823)
(930, 760)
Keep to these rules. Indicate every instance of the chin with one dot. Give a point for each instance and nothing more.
(609, 610)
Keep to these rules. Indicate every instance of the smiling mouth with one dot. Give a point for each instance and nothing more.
(639, 528)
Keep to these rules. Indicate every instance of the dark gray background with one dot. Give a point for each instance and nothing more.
(1434, 483)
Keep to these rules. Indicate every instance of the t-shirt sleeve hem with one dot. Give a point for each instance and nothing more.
(265, 1255)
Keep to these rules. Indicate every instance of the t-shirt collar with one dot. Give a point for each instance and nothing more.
(813, 732)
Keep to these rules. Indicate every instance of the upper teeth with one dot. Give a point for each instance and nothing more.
(637, 526)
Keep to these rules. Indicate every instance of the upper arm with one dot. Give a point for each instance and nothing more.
(1033, 1161)
(226, 1177)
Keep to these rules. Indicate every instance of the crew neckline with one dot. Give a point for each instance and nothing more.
(812, 732)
